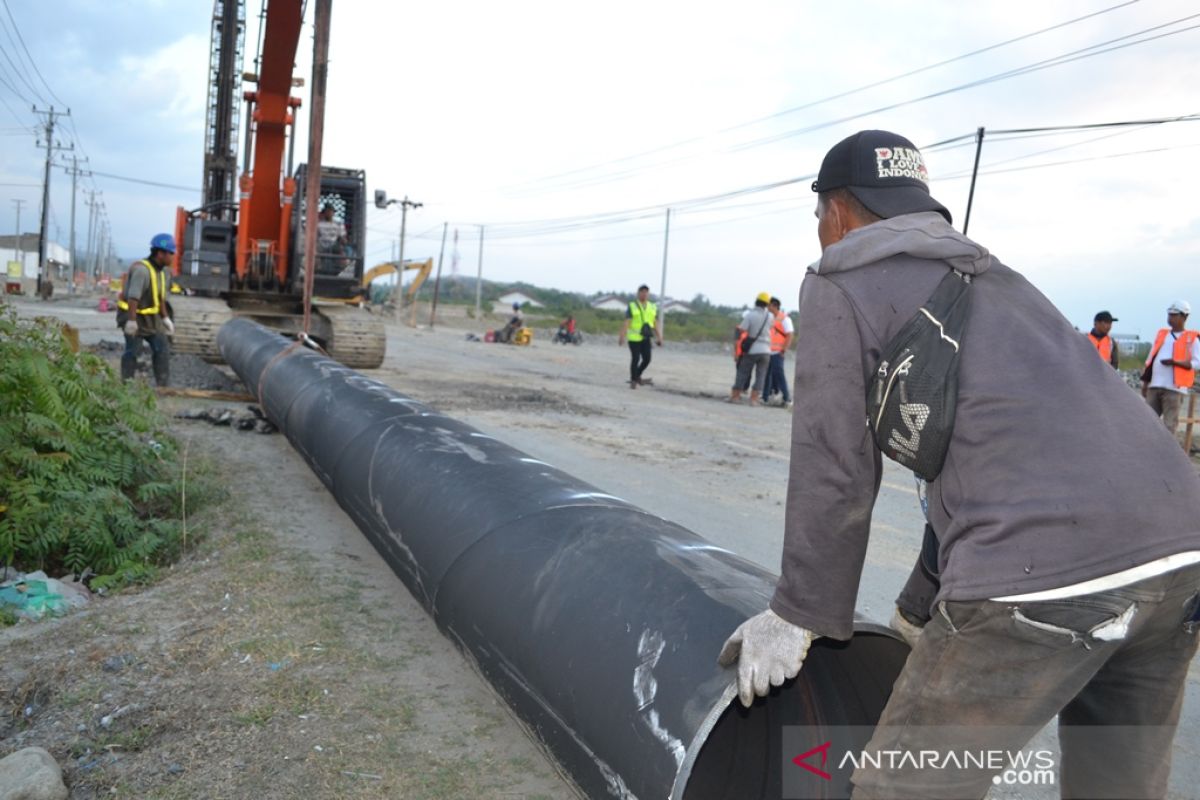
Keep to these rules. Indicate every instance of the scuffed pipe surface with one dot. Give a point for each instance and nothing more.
(597, 622)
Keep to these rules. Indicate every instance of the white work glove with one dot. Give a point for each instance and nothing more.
(131, 327)
(910, 632)
(768, 650)
(168, 326)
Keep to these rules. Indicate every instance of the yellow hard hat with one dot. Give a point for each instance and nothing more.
(763, 297)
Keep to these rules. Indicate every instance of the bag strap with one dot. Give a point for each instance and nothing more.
(764, 325)
(948, 305)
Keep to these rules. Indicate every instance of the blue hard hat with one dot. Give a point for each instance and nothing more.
(163, 241)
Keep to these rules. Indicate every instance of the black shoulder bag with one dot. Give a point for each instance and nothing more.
(912, 399)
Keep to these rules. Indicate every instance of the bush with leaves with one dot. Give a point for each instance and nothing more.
(88, 475)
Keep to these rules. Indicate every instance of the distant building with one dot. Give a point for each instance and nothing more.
(506, 301)
(676, 307)
(24, 251)
(610, 302)
(1128, 344)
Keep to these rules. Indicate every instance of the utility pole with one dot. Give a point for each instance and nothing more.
(50, 148)
(405, 205)
(316, 138)
(479, 276)
(662, 294)
(974, 175)
(437, 282)
(90, 202)
(75, 173)
(17, 242)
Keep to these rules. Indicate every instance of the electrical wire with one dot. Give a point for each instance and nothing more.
(1090, 51)
(830, 98)
(961, 176)
(28, 56)
(1066, 58)
(143, 181)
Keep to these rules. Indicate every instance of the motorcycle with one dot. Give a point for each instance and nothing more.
(563, 337)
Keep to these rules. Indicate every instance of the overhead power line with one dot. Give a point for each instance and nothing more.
(1104, 157)
(1065, 58)
(543, 227)
(144, 182)
(833, 97)
(1100, 48)
(29, 57)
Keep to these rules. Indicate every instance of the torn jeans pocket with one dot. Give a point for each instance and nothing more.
(1079, 620)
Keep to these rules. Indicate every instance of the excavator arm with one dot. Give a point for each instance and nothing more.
(388, 268)
(266, 194)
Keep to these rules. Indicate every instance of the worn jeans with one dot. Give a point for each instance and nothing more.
(160, 352)
(756, 363)
(777, 378)
(639, 353)
(1166, 404)
(1115, 658)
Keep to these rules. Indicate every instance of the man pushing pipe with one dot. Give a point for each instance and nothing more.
(1065, 518)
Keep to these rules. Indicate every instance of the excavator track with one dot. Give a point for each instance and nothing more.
(358, 339)
(197, 320)
(353, 336)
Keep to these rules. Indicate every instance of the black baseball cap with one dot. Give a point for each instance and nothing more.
(1104, 316)
(883, 170)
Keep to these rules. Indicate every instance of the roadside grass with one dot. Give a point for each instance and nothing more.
(251, 668)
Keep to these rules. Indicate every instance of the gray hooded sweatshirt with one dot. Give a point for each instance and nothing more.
(1057, 473)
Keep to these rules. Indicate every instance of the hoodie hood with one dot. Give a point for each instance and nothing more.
(925, 235)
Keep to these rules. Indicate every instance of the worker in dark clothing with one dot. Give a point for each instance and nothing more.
(1100, 339)
(515, 323)
(1068, 564)
(142, 310)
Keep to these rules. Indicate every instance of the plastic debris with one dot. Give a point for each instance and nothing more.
(34, 595)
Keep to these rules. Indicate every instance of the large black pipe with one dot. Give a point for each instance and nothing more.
(597, 622)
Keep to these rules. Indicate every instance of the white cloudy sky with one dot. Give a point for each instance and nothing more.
(494, 113)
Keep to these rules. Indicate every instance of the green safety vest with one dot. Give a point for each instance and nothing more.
(158, 288)
(640, 316)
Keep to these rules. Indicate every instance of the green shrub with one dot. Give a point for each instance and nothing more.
(88, 476)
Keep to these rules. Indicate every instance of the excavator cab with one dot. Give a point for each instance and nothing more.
(341, 233)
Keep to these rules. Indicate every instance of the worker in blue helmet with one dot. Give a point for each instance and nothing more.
(142, 312)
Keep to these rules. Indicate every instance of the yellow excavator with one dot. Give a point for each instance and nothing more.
(379, 270)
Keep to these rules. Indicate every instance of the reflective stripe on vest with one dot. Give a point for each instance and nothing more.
(778, 334)
(638, 317)
(157, 290)
(1104, 346)
(1180, 351)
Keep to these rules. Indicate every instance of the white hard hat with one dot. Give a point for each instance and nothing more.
(1179, 307)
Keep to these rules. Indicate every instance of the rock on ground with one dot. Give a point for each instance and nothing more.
(31, 774)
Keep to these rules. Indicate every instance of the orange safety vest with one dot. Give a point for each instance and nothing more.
(1104, 346)
(778, 334)
(1181, 351)
(738, 346)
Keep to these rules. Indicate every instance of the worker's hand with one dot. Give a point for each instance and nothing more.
(660, 341)
(620, 341)
(169, 326)
(909, 630)
(131, 327)
(768, 650)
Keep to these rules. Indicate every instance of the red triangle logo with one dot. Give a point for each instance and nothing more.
(802, 760)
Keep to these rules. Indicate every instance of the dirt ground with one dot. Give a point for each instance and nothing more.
(283, 658)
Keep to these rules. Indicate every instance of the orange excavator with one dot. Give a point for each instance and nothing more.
(245, 257)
